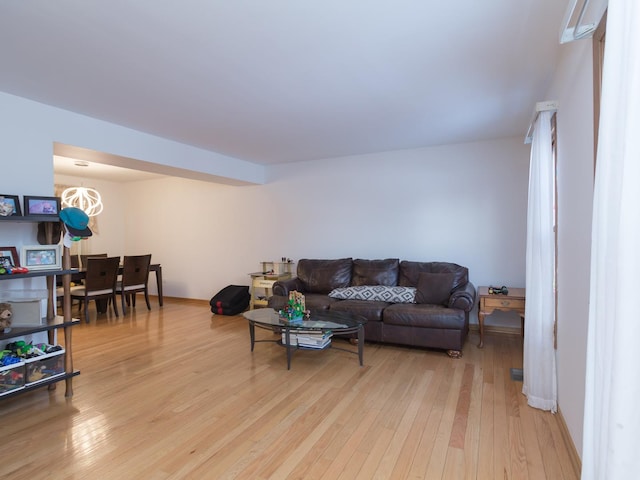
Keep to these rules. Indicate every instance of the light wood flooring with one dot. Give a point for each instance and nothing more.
(175, 393)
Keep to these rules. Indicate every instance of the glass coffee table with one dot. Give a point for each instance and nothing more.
(318, 322)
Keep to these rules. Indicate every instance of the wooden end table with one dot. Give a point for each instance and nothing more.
(489, 302)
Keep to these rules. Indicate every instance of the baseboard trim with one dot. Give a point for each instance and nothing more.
(501, 330)
(576, 461)
(184, 299)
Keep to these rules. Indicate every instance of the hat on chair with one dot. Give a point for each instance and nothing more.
(76, 221)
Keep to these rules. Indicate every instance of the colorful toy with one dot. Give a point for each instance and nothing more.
(295, 308)
(8, 358)
(19, 348)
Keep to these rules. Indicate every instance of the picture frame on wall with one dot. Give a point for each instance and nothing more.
(9, 206)
(42, 257)
(41, 206)
(9, 254)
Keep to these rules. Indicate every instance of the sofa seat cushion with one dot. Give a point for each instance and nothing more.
(371, 310)
(424, 315)
(317, 301)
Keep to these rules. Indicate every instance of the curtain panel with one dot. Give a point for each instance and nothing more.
(539, 362)
(611, 443)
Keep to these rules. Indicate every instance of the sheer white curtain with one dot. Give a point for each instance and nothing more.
(539, 363)
(611, 446)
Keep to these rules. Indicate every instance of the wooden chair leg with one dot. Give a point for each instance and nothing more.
(86, 310)
(146, 298)
(124, 308)
(115, 304)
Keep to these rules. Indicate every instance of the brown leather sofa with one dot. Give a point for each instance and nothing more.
(438, 317)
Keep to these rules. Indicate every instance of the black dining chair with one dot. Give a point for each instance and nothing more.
(100, 280)
(84, 258)
(135, 278)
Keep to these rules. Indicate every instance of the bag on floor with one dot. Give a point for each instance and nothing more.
(231, 300)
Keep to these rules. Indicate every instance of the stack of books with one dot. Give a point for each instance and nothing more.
(317, 340)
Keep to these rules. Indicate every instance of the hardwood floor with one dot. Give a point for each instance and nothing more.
(175, 393)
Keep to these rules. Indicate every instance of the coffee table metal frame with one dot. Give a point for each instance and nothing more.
(336, 322)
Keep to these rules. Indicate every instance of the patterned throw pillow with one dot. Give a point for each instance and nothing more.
(380, 293)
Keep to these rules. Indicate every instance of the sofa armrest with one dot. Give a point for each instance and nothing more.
(463, 298)
(283, 287)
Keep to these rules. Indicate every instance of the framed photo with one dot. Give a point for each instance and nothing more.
(41, 205)
(9, 206)
(42, 257)
(9, 257)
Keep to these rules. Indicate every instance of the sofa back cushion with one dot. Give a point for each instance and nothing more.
(322, 276)
(434, 288)
(410, 272)
(375, 272)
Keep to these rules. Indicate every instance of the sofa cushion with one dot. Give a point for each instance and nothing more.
(322, 276)
(312, 301)
(424, 315)
(380, 293)
(375, 272)
(410, 272)
(372, 311)
(434, 288)
(317, 301)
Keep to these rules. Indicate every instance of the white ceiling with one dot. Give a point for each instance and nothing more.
(288, 80)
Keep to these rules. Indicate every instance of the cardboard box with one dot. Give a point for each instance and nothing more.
(29, 307)
(45, 366)
(12, 377)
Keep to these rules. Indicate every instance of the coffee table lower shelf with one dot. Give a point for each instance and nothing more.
(359, 329)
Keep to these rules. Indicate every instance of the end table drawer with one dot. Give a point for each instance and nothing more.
(263, 283)
(514, 303)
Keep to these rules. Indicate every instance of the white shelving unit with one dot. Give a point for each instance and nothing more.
(53, 322)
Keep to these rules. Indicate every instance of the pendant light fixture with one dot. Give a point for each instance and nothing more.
(86, 199)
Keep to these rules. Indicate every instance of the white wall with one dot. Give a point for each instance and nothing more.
(573, 88)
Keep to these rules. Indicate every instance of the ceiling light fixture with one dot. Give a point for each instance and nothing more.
(86, 199)
(81, 163)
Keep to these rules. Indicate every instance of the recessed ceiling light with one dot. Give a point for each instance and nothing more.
(81, 163)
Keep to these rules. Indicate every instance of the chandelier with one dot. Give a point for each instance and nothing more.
(86, 199)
